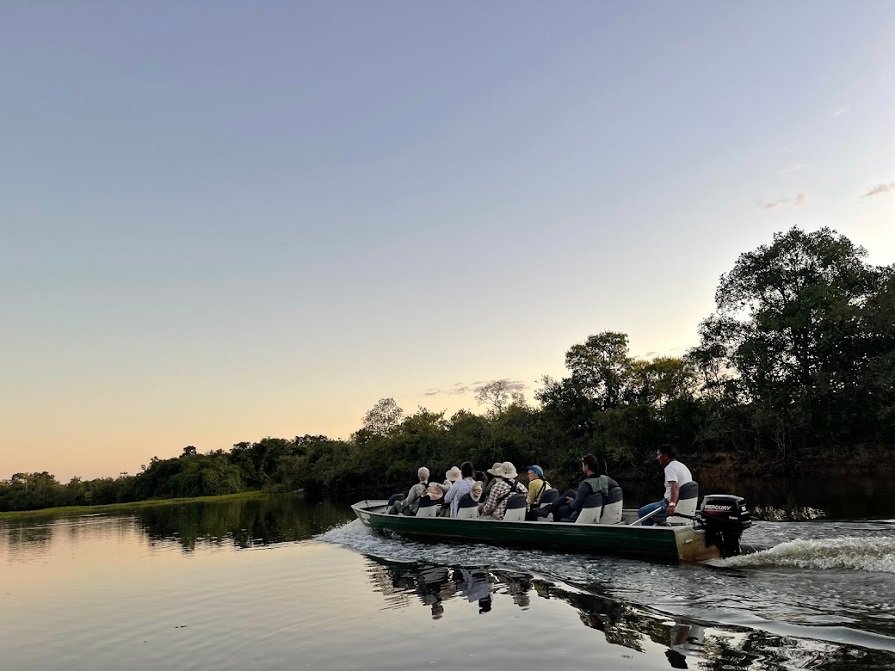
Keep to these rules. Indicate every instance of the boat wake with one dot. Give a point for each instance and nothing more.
(855, 553)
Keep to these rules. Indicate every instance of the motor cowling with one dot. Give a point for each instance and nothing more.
(724, 518)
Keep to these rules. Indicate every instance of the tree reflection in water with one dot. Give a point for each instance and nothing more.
(242, 523)
(689, 643)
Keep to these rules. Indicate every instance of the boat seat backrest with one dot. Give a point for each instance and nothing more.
(612, 506)
(591, 510)
(687, 498)
(466, 501)
(549, 497)
(516, 508)
(428, 508)
(689, 491)
(467, 507)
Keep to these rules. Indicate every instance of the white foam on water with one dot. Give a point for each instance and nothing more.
(874, 554)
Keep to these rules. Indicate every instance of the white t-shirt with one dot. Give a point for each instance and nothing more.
(675, 471)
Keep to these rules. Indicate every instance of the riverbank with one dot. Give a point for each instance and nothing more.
(124, 507)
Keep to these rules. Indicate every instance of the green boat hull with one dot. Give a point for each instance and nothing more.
(680, 543)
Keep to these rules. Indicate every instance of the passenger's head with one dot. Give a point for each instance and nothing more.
(665, 453)
(534, 472)
(496, 469)
(466, 470)
(453, 475)
(423, 474)
(591, 464)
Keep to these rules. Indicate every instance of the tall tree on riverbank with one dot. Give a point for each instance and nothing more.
(788, 350)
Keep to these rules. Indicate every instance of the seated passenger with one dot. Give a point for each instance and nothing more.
(676, 475)
(450, 477)
(491, 475)
(504, 485)
(412, 503)
(594, 481)
(537, 485)
(460, 486)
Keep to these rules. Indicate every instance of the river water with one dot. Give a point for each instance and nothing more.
(285, 583)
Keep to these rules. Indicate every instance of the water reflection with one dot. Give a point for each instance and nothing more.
(687, 642)
(27, 540)
(243, 524)
(239, 523)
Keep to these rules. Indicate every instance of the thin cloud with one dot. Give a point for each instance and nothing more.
(792, 167)
(463, 389)
(458, 389)
(845, 109)
(800, 199)
(880, 189)
(511, 385)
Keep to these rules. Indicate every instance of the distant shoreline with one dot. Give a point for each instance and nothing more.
(121, 507)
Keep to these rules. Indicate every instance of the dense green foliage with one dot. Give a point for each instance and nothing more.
(796, 365)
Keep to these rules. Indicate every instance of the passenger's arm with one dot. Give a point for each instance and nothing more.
(491, 502)
(583, 492)
(532, 491)
(672, 497)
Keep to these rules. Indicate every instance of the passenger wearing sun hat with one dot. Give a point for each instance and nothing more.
(452, 476)
(504, 485)
(492, 474)
(537, 485)
(461, 485)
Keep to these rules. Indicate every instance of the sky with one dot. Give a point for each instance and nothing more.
(221, 221)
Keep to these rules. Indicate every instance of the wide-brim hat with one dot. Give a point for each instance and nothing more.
(496, 469)
(509, 471)
(476, 492)
(454, 474)
(434, 492)
(537, 470)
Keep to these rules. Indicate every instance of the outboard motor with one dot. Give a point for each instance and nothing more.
(724, 518)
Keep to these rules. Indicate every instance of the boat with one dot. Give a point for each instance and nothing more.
(713, 532)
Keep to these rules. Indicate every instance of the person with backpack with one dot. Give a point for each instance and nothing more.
(504, 486)
(537, 484)
(411, 504)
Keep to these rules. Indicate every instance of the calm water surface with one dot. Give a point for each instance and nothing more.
(283, 583)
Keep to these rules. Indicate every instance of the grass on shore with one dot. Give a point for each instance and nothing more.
(124, 507)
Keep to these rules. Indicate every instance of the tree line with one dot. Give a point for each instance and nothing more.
(794, 370)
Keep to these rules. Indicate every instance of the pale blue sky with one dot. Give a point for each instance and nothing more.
(227, 220)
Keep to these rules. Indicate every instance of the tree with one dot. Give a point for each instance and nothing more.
(787, 338)
(499, 394)
(600, 367)
(383, 417)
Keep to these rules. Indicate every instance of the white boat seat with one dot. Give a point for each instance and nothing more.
(612, 507)
(591, 510)
(428, 508)
(467, 508)
(516, 505)
(688, 496)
